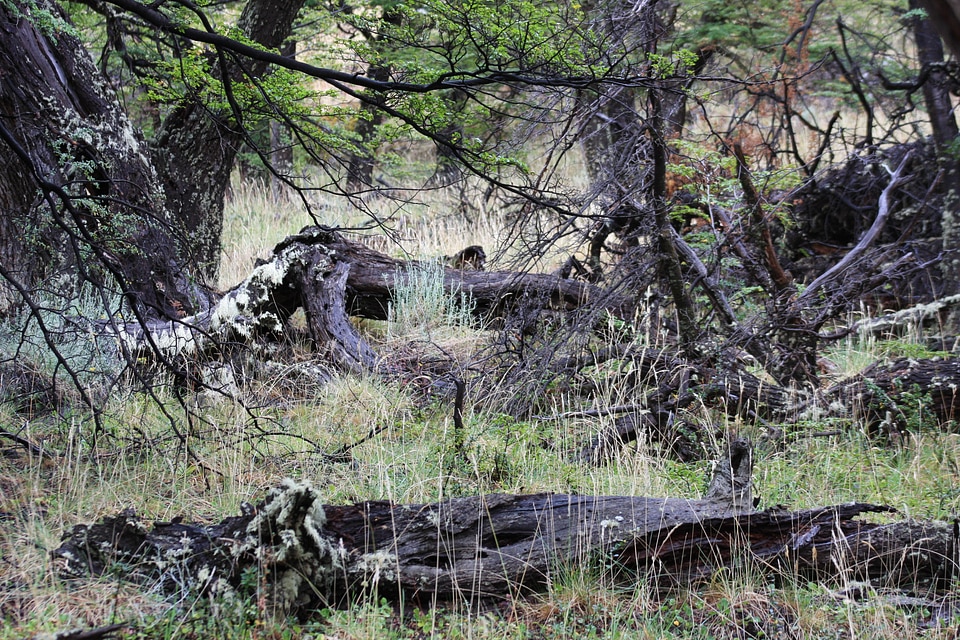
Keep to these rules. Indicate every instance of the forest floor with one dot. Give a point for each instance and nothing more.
(417, 456)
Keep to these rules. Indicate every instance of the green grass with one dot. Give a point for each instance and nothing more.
(417, 459)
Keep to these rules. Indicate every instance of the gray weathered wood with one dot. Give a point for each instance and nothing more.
(312, 555)
(332, 278)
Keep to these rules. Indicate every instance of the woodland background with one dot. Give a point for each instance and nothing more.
(419, 251)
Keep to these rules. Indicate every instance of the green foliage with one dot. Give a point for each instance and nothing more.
(193, 77)
(907, 349)
(678, 63)
(47, 22)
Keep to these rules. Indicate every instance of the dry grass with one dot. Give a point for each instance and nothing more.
(418, 458)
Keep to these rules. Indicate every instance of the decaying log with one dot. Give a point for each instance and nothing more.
(889, 395)
(310, 555)
(374, 276)
(886, 398)
(913, 319)
(303, 272)
(332, 278)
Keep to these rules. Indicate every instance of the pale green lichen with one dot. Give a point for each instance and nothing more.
(300, 561)
(379, 565)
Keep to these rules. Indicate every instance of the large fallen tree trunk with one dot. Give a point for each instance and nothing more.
(890, 398)
(332, 278)
(311, 555)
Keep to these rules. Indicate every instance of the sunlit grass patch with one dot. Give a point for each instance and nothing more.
(919, 477)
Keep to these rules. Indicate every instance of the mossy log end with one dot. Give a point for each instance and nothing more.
(313, 555)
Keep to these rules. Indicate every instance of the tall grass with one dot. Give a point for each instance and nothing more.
(422, 306)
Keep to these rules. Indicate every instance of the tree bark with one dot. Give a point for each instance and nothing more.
(194, 150)
(936, 92)
(76, 187)
(281, 142)
(332, 278)
(312, 555)
(362, 160)
(944, 16)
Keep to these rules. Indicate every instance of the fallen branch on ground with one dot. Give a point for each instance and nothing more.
(332, 278)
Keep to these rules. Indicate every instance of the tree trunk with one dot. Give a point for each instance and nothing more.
(312, 555)
(77, 194)
(194, 150)
(936, 90)
(945, 17)
(281, 141)
(361, 161)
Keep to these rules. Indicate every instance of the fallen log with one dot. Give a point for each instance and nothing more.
(374, 276)
(896, 396)
(890, 398)
(332, 278)
(930, 315)
(311, 555)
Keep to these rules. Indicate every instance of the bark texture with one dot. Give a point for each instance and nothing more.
(195, 149)
(314, 555)
(76, 181)
(332, 278)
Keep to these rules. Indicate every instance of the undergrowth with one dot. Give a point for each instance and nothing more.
(395, 439)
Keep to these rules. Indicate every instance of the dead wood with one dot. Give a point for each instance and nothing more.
(895, 396)
(885, 399)
(759, 226)
(918, 317)
(332, 278)
(374, 276)
(108, 631)
(313, 555)
(884, 208)
(834, 211)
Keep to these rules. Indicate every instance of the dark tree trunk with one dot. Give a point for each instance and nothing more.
(616, 148)
(281, 141)
(943, 16)
(361, 162)
(936, 90)
(670, 268)
(195, 149)
(77, 193)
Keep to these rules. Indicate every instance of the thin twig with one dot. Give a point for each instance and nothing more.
(29, 445)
